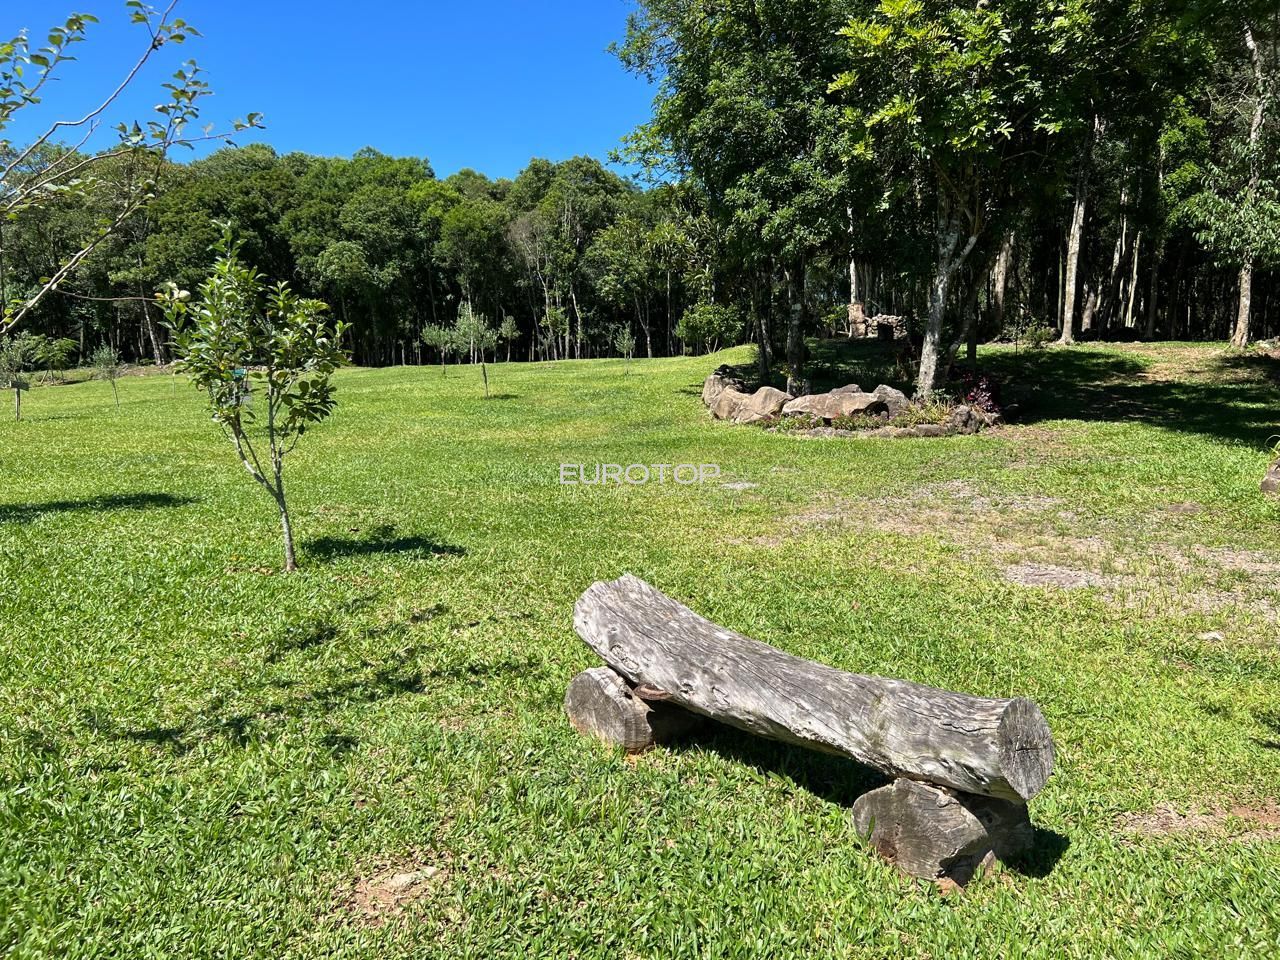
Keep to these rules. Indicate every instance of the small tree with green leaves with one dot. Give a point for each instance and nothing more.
(508, 333)
(624, 342)
(105, 364)
(16, 356)
(242, 338)
(55, 354)
(444, 340)
(474, 334)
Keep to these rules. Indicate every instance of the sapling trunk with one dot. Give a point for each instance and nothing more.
(17, 403)
(485, 374)
(115, 393)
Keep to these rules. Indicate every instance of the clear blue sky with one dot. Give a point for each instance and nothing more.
(486, 84)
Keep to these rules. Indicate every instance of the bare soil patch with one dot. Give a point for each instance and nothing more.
(392, 889)
(1046, 575)
(1238, 822)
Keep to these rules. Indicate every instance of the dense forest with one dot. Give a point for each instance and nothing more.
(983, 170)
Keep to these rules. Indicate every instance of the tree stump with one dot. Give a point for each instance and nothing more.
(603, 705)
(940, 834)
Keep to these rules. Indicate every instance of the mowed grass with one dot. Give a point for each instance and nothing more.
(201, 757)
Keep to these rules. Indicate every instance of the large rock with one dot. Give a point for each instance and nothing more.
(964, 420)
(830, 406)
(1271, 482)
(849, 388)
(764, 404)
(718, 382)
(726, 404)
(895, 400)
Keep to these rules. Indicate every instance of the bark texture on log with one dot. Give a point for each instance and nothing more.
(601, 704)
(936, 834)
(998, 748)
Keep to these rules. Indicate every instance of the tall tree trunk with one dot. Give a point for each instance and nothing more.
(1240, 339)
(951, 257)
(1076, 234)
(1000, 278)
(1114, 298)
(1133, 281)
(1153, 292)
(795, 329)
(1244, 308)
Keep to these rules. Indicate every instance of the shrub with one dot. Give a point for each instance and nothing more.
(981, 390)
(705, 326)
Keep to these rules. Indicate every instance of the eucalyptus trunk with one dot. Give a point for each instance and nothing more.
(950, 258)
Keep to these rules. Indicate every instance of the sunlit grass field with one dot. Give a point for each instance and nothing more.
(201, 757)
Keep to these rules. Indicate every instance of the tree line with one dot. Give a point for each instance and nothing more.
(1056, 168)
(566, 260)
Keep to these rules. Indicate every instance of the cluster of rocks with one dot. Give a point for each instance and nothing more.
(727, 396)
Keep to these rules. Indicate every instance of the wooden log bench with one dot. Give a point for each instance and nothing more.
(964, 766)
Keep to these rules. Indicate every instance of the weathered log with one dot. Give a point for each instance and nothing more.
(998, 748)
(601, 704)
(936, 833)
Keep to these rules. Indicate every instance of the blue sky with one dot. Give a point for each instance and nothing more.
(485, 85)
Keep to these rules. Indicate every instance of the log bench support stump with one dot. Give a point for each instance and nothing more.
(940, 834)
(603, 705)
(965, 766)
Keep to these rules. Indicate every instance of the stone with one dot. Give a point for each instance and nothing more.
(727, 403)
(964, 420)
(718, 382)
(847, 388)
(1271, 482)
(830, 406)
(765, 404)
(895, 400)
(931, 430)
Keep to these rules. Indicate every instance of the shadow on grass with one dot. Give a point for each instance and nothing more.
(841, 781)
(26, 512)
(380, 540)
(1225, 396)
(1270, 720)
(1093, 385)
(267, 693)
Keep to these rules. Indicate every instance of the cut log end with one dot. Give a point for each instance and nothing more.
(1025, 748)
(602, 704)
(938, 834)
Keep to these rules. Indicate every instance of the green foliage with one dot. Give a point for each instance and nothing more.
(18, 353)
(43, 175)
(242, 336)
(55, 353)
(705, 327)
(624, 342)
(105, 364)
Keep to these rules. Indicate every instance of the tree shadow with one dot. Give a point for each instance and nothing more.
(868, 363)
(256, 704)
(26, 512)
(1270, 720)
(380, 540)
(1094, 385)
(842, 781)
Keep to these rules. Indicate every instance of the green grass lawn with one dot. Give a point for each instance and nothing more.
(201, 757)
